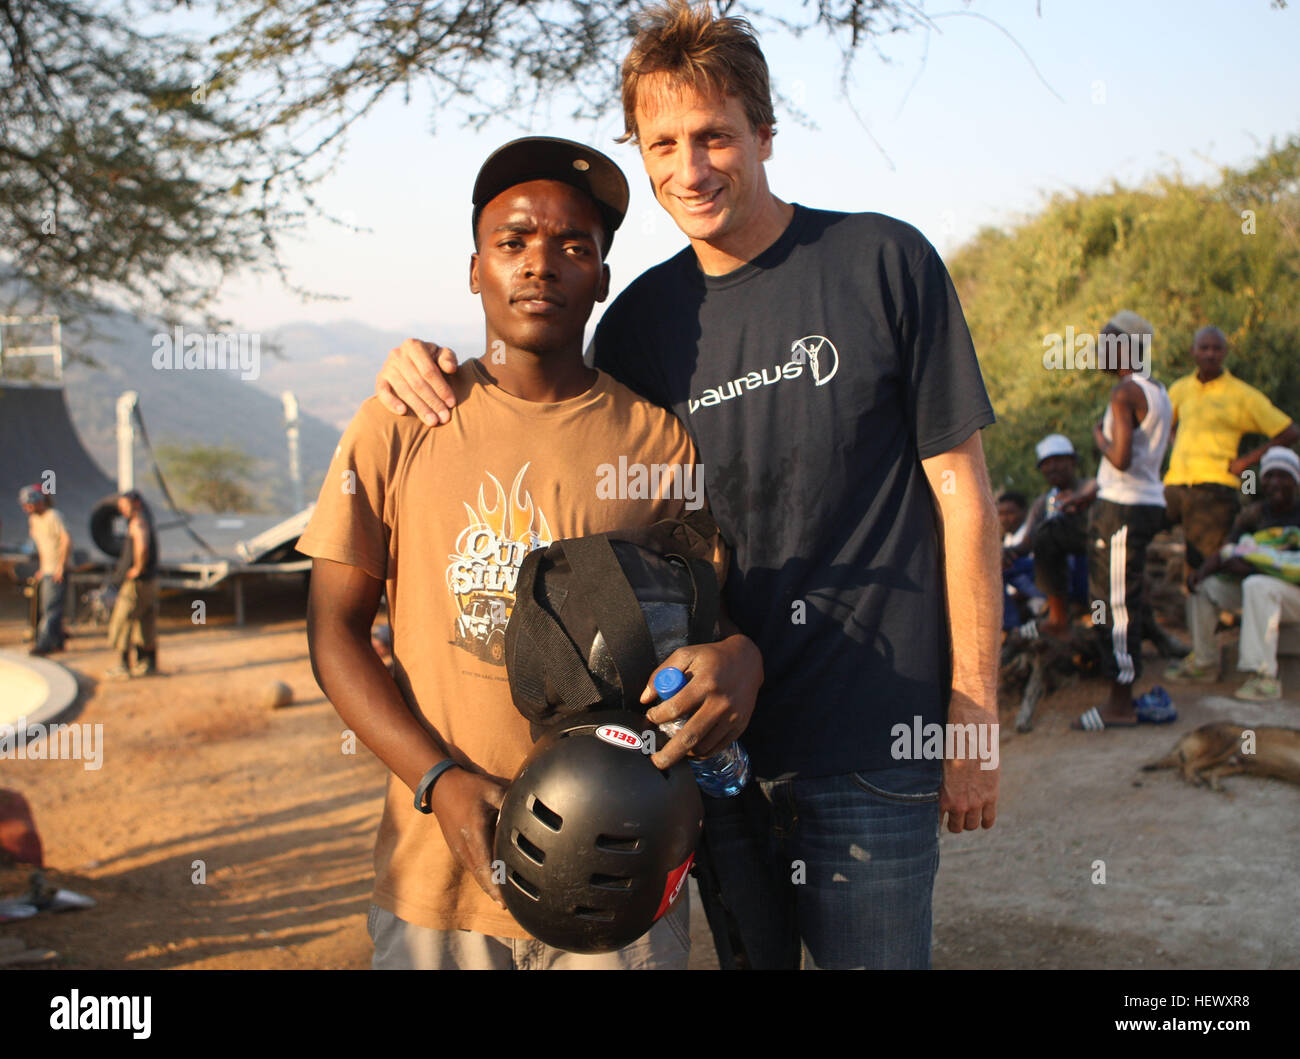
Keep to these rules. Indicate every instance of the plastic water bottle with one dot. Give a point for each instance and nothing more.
(726, 772)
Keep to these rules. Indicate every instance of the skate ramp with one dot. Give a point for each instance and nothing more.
(37, 435)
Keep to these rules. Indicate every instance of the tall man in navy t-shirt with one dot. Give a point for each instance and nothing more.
(823, 366)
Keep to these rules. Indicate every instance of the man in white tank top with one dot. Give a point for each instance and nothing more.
(1129, 510)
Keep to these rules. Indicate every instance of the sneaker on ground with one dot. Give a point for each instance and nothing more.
(1188, 671)
(1259, 688)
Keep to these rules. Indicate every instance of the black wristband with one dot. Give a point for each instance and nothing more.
(423, 791)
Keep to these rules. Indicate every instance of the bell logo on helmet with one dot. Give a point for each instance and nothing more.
(619, 736)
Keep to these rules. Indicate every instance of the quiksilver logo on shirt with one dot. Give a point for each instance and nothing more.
(815, 353)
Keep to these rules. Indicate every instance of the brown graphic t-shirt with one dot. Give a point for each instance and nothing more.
(444, 516)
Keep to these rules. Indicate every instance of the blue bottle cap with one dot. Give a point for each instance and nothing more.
(669, 682)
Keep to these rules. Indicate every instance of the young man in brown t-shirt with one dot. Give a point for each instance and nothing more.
(443, 518)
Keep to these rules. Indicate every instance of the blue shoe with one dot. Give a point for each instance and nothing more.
(1155, 707)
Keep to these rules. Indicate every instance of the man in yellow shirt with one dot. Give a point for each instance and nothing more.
(1213, 409)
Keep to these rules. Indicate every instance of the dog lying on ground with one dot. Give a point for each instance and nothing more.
(1215, 750)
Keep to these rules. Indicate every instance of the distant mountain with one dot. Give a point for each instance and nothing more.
(182, 407)
(329, 367)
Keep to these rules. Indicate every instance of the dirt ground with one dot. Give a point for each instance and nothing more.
(196, 769)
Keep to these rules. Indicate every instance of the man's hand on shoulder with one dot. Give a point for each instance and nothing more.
(719, 698)
(414, 379)
(466, 805)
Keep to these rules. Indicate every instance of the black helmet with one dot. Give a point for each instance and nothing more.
(596, 841)
(593, 616)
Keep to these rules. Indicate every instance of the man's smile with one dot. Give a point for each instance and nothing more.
(699, 203)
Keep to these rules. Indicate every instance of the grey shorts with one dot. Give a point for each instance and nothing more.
(402, 946)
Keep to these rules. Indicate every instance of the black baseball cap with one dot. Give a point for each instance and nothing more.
(550, 158)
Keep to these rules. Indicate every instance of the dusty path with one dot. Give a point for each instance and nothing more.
(195, 768)
(1193, 879)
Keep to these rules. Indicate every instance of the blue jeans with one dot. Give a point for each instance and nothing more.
(49, 633)
(1020, 576)
(833, 872)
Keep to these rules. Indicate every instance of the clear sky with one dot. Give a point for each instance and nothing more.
(957, 130)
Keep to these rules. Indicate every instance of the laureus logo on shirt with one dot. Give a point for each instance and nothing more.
(813, 355)
(485, 565)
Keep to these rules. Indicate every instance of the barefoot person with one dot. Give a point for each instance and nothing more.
(443, 519)
(822, 363)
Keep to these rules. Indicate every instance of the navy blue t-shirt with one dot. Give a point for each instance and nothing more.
(814, 380)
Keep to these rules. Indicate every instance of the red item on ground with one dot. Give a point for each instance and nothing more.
(19, 838)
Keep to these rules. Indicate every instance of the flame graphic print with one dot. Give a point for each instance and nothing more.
(485, 564)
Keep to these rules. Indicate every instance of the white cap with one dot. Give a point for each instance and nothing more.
(1280, 459)
(1053, 445)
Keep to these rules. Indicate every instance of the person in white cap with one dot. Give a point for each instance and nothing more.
(1213, 410)
(1058, 541)
(1128, 512)
(1057, 527)
(1226, 581)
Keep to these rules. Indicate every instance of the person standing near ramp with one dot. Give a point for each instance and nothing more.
(53, 545)
(137, 579)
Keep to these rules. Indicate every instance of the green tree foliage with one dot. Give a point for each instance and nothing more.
(142, 161)
(1181, 254)
(116, 175)
(210, 477)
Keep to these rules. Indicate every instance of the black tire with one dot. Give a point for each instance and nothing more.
(495, 649)
(104, 520)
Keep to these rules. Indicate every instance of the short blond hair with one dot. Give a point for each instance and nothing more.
(714, 56)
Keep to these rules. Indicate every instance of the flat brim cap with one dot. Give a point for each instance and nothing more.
(551, 158)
